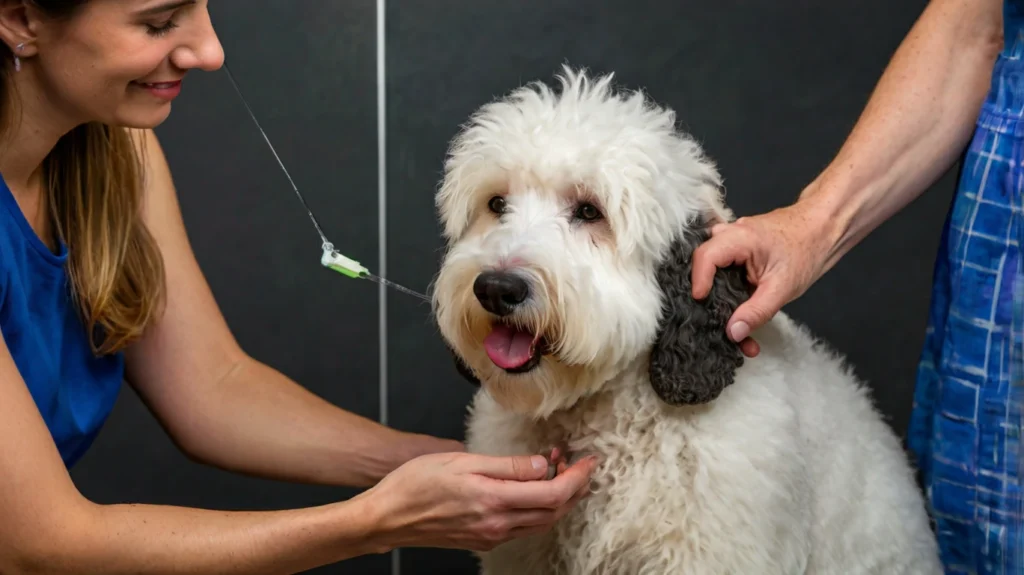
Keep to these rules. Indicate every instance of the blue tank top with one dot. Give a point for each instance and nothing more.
(74, 390)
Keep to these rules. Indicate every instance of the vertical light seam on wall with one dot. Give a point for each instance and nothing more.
(382, 233)
(382, 229)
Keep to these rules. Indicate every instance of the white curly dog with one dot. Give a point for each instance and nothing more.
(570, 218)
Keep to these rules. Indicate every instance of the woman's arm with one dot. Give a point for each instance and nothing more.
(455, 500)
(916, 123)
(224, 408)
(46, 526)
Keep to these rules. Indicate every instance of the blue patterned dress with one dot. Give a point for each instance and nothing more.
(966, 425)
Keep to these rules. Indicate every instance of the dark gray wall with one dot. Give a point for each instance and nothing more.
(771, 89)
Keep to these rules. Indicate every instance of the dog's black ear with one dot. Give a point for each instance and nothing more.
(693, 359)
(463, 369)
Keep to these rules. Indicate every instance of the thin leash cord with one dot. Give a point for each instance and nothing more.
(327, 245)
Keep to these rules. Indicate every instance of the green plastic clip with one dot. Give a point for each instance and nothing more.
(341, 264)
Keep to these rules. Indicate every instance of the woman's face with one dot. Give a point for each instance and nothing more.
(118, 61)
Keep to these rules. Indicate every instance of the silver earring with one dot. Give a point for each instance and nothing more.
(17, 60)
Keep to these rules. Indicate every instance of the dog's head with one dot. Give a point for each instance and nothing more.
(570, 220)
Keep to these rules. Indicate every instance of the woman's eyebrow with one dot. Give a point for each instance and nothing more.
(164, 7)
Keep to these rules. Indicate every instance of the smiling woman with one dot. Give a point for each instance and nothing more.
(129, 84)
(98, 284)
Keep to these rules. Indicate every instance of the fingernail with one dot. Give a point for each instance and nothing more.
(539, 462)
(740, 330)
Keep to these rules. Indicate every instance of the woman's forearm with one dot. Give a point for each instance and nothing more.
(142, 539)
(915, 125)
(259, 422)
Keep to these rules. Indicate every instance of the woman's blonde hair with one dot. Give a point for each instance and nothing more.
(94, 179)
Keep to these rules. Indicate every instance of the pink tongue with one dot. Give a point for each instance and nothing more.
(508, 347)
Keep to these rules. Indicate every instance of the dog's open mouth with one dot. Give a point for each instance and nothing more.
(514, 349)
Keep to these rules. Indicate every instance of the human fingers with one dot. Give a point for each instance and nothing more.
(718, 252)
(501, 527)
(558, 460)
(516, 523)
(574, 478)
(552, 493)
(750, 347)
(763, 304)
(514, 468)
(580, 494)
(561, 467)
(526, 518)
(532, 522)
(583, 489)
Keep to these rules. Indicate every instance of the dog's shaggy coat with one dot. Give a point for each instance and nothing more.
(570, 219)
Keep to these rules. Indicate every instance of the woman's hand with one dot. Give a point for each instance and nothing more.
(785, 252)
(474, 502)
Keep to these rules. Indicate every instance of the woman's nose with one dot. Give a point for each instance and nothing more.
(203, 50)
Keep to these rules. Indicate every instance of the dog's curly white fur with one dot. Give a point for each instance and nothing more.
(570, 218)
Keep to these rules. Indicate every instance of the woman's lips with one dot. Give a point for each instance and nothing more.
(162, 90)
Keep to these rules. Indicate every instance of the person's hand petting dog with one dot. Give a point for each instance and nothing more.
(476, 502)
(785, 251)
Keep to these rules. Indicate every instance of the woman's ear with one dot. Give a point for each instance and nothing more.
(693, 359)
(19, 27)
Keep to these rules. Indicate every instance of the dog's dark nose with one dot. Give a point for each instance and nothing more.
(500, 292)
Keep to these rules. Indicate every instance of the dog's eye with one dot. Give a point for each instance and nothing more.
(587, 213)
(497, 205)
